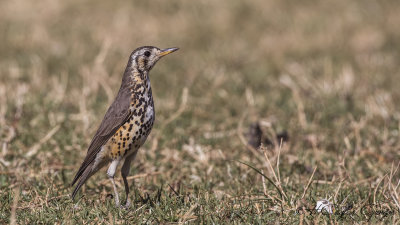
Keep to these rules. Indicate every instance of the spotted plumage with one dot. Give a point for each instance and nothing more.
(127, 123)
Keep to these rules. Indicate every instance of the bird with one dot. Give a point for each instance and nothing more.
(126, 124)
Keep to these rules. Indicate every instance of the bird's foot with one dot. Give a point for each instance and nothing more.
(127, 205)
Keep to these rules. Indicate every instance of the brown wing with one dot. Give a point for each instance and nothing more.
(116, 116)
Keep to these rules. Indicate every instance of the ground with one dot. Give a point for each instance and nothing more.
(321, 74)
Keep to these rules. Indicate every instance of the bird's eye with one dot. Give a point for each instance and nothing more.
(147, 53)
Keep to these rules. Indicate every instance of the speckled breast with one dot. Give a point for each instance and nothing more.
(134, 132)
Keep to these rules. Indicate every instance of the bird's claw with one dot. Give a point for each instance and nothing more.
(127, 205)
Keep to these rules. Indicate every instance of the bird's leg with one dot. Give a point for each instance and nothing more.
(115, 192)
(111, 172)
(124, 173)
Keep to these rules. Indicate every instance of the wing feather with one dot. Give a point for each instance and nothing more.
(117, 114)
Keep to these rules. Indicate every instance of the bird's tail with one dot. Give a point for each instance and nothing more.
(82, 179)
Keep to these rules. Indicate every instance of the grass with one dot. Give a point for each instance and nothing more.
(324, 72)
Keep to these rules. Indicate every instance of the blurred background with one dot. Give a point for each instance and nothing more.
(314, 83)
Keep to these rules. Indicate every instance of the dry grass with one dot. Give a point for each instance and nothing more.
(325, 72)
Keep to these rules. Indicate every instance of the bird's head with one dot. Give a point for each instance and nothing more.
(144, 58)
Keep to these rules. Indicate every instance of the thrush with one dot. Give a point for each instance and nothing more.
(126, 124)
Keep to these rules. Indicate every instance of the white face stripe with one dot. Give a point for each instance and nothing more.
(151, 60)
(154, 51)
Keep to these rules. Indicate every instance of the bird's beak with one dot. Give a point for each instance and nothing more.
(167, 51)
